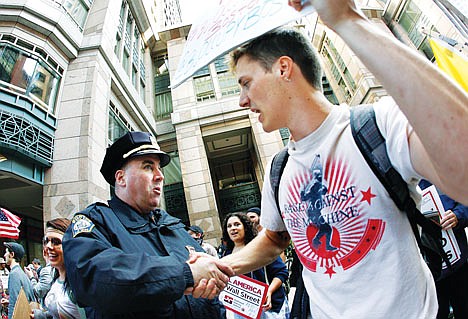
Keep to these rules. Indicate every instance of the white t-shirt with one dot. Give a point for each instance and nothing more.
(360, 257)
(59, 304)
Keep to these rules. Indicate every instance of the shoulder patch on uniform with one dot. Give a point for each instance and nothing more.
(81, 224)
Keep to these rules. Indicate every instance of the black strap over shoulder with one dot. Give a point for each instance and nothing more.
(277, 167)
(372, 145)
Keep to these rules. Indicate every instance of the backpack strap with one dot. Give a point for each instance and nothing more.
(372, 145)
(277, 167)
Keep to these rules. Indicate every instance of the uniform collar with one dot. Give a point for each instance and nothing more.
(131, 219)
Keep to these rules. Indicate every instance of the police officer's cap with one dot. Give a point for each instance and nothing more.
(130, 145)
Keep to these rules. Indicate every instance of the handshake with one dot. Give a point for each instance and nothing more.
(210, 275)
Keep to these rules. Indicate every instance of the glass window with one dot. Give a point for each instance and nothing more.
(117, 127)
(172, 171)
(163, 103)
(174, 195)
(142, 91)
(44, 84)
(349, 80)
(228, 84)
(221, 63)
(203, 71)
(78, 10)
(118, 45)
(162, 81)
(235, 172)
(204, 88)
(17, 68)
(134, 76)
(345, 89)
(136, 39)
(413, 21)
(121, 17)
(29, 73)
(410, 16)
(227, 80)
(125, 61)
(426, 49)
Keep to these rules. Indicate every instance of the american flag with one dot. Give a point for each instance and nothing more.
(9, 224)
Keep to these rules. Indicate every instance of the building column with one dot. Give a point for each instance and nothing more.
(71, 183)
(198, 187)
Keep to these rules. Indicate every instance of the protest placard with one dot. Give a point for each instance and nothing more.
(229, 25)
(431, 206)
(22, 308)
(244, 296)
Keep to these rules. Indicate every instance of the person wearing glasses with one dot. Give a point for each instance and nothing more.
(59, 301)
(17, 279)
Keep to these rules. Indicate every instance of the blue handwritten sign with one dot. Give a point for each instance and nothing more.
(233, 23)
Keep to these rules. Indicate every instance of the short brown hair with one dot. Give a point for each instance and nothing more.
(284, 41)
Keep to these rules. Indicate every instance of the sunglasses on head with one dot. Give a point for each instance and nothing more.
(55, 241)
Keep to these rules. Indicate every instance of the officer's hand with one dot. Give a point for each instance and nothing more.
(209, 276)
(204, 289)
(221, 265)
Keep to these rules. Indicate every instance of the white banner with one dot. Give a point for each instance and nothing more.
(228, 26)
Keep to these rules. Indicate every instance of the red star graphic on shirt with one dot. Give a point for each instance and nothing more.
(367, 196)
(330, 271)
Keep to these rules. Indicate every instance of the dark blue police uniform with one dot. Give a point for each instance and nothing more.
(121, 264)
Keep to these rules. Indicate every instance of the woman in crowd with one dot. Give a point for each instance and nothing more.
(59, 301)
(238, 232)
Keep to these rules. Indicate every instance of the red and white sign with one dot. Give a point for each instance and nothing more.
(244, 296)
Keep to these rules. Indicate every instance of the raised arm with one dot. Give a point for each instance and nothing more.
(435, 106)
(42, 286)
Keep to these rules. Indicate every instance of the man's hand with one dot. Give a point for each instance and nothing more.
(210, 275)
(296, 4)
(449, 220)
(28, 272)
(331, 12)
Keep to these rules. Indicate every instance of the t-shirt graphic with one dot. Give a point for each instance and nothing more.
(325, 217)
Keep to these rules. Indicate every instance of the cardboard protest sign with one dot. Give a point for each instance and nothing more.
(245, 296)
(431, 206)
(22, 309)
(230, 25)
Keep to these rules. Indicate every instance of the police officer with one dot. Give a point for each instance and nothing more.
(130, 259)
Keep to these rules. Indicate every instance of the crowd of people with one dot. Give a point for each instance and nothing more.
(128, 258)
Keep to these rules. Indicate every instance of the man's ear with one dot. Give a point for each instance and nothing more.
(120, 177)
(285, 64)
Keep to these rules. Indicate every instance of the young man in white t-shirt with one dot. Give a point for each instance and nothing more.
(359, 254)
